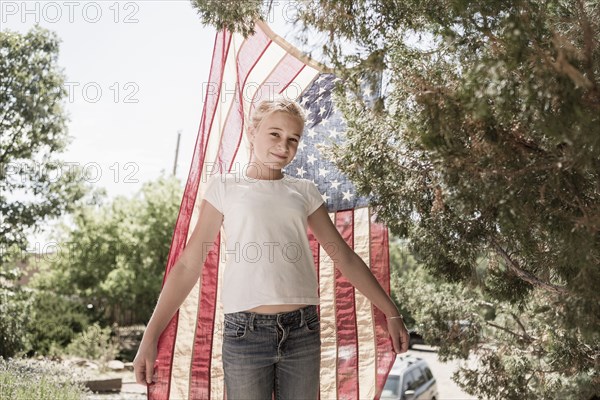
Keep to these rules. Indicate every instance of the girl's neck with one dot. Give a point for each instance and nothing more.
(263, 173)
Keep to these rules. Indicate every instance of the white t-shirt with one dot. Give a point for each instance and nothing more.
(266, 251)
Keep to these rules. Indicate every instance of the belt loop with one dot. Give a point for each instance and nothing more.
(302, 320)
(251, 322)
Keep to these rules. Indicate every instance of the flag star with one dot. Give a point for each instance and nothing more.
(368, 92)
(301, 146)
(325, 197)
(347, 195)
(311, 133)
(322, 111)
(334, 134)
(300, 171)
(320, 79)
(323, 172)
(321, 91)
(335, 184)
(311, 159)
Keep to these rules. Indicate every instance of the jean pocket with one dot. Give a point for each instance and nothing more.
(234, 330)
(313, 324)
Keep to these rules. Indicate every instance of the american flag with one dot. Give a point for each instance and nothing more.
(356, 351)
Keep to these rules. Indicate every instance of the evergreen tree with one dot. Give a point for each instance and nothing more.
(484, 151)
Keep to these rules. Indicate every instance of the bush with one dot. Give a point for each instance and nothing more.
(94, 343)
(14, 309)
(53, 323)
(22, 379)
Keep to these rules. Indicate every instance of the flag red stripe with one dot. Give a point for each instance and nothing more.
(203, 339)
(302, 66)
(380, 268)
(200, 368)
(160, 390)
(249, 55)
(347, 361)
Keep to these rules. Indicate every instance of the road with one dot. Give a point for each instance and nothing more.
(448, 390)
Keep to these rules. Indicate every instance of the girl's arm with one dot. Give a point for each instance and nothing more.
(358, 274)
(179, 283)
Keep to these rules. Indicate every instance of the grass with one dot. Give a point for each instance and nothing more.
(26, 379)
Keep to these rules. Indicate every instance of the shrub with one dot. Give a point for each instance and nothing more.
(94, 343)
(14, 309)
(22, 379)
(53, 323)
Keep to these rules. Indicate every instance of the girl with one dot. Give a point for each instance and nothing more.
(271, 335)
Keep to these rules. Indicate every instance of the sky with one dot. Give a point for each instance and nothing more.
(136, 73)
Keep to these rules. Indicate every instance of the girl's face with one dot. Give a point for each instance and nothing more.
(275, 143)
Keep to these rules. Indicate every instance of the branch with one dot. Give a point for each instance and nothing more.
(525, 338)
(588, 41)
(527, 276)
(11, 143)
(516, 317)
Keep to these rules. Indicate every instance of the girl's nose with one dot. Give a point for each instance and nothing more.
(284, 146)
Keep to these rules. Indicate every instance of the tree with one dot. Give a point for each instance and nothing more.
(32, 133)
(485, 146)
(116, 253)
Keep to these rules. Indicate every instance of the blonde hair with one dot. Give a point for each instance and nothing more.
(280, 103)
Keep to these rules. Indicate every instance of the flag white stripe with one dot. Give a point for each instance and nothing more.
(217, 377)
(300, 83)
(328, 326)
(260, 74)
(364, 318)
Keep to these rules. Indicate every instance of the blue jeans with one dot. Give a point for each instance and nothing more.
(266, 354)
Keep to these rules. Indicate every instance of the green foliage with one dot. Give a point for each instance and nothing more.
(41, 380)
(114, 258)
(32, 321)
(523, 351)
(14, 310)
(32, 133)
(234, 15)
(54, 320)
(95, 343)
(484, 145)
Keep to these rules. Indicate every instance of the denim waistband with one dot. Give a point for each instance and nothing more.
(297, 316)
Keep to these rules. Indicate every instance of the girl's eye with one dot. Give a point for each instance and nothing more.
(277, 134)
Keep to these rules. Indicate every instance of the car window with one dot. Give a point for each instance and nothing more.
(420, 379)
(391, 387)
(410, 381)
(428, 373)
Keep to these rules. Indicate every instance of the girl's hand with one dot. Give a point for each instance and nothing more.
(399, 334)
(143, 364)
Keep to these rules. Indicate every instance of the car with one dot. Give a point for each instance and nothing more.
(410, 379)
